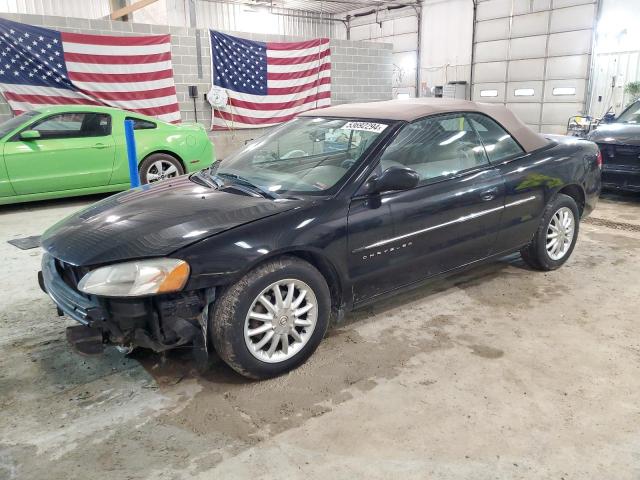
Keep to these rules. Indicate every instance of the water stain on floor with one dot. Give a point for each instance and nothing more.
(486, 352)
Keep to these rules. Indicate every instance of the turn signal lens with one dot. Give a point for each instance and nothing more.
(599, 160)
(175, 279)
(138, 278)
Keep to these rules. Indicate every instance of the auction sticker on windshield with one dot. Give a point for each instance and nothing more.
(364, 126)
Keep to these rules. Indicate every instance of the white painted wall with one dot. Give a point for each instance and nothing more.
(617, 55)
(447, 27)
(446, 42)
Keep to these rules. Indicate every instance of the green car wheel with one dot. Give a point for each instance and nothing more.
(159, 166)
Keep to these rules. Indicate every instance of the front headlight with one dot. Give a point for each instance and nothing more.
(141, 277)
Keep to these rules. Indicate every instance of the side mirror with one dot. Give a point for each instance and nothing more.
(29, 135)
(393, 178)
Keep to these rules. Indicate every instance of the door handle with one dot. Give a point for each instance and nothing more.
(488, 195)
(100, 146)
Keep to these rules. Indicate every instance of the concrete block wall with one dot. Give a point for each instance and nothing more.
(361, 71)
(399, 28)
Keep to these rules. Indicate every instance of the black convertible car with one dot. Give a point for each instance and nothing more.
(337, 208)
(619, 143)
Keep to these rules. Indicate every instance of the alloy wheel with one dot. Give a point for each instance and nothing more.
(160, 170)
(281, 320)
(560, 233)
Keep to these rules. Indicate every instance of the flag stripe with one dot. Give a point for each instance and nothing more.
(234, 102)
(154, 111)
(37, 90)
(227, 120)
(116, 50)
(48, 99)
(145, 103)
(53, 102)
(247, 97)
(299, 88)
(296, 53)
(92, 88)
(118, 69)
(87, 39)
(250, 120)
(116, 59)
(135, 95)
(298, 73)
(301, 66)
(309, 103)
(297, 45)
(297, 60)
(298, 81)
(170, 117)
(121, 78)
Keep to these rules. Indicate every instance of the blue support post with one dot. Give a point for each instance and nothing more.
(131, 153)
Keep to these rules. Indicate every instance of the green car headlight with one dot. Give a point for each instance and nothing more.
(137, 278)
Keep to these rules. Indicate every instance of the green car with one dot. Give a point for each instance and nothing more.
(77, 150)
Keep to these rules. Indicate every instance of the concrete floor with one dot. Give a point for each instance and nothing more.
(501, 372)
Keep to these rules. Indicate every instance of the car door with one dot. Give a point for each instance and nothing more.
(74, 150)
(524, 188)
(450, 219)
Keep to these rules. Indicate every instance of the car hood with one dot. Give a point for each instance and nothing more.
(620, 133)
(151, 221)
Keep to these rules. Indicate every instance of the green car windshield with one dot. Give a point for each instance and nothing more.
(13, 123)
(306, 155)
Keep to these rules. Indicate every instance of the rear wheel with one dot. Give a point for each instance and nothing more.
(159, 166)
(556, 236)
(272, 319)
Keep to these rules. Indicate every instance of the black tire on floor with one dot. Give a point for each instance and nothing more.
(230, 310)
(148, 162)
(535, 254)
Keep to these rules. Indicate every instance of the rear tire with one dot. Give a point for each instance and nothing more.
(159, 166)
(556, 235)
(251, 322)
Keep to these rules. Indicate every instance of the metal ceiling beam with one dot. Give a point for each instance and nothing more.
(293, 4)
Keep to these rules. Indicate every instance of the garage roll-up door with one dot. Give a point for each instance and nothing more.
(534, 56)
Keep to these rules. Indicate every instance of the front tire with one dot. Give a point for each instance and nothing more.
(272, 319)
(556, 236)
(159, 166)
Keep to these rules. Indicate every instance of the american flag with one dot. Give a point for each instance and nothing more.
(40, 67)
(268, 82)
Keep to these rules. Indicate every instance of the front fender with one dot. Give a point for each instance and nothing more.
(319, 229)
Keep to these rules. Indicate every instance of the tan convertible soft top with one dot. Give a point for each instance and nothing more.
(414, 108)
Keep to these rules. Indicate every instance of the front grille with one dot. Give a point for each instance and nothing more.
(620, 154)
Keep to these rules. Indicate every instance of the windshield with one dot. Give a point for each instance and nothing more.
(306, 155)
(631, 114)
(13, 123)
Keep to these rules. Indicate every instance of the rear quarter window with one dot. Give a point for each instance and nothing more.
(498, 143)
(140, 124)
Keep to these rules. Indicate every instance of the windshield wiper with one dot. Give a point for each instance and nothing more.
(206, 181)
(247, 183)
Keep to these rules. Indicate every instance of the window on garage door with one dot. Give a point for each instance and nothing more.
(436, 147)
(74, 125)
(497, 141)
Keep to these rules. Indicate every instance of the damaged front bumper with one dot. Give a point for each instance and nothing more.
(160, 323)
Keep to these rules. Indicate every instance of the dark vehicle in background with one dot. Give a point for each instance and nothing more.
(337, 208)
(619, 143)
